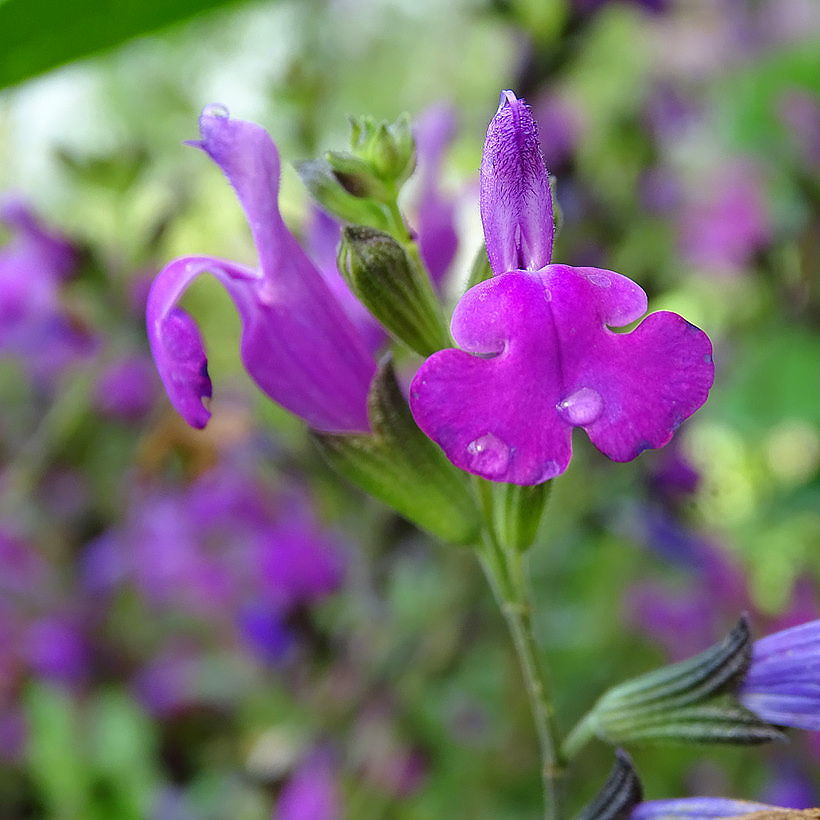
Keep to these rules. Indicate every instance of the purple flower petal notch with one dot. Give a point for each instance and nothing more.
(297, 343)
(538, 355)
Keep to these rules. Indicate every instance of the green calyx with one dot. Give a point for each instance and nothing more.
(398, 293)
(691, 701)
(399, 465)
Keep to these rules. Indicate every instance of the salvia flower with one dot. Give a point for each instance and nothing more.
(782, 685)
(297, 343)
(537, 354)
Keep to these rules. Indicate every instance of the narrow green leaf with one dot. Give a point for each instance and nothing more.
(38, 35)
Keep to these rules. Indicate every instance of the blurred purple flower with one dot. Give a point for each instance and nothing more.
(311, 793)
(538, 357)
(782, 684)
(297, 342)
(726, 220)
(696, 808)
(438, 240)
(559, 126)
(55, 649)
(127, 388)
(34, 265)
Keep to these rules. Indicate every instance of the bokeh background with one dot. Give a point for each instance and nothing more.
(212, 624)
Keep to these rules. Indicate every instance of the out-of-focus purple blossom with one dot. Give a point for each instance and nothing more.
(537, 356)
(726, 221)
(322, 245)
(34, 265)
(696, 808)
(790, 788)
(681, 622)
(673, 475)
(265, 632)
(438, 240)
(127, 388)
(22, 570)
(227, 549)
(782, 684)
(55, 649)
(559, 126)
(297, 342)
(311, 793)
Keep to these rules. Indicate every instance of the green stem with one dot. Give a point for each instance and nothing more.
(505, 572)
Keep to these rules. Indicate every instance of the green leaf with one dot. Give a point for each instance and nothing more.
(38, 35)
(400, 466)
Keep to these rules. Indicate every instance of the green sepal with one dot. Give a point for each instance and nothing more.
(517, 512)
(718, 669)
(388, 149)
(400, 466)
(357, 176)
(721, 720)
(480, 269)
(397, 293)
(324, 186)
(690, 701)
(619, 795)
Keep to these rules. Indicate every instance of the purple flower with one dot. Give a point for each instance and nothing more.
(33, 268)
(297, 343)
(438, 240)
(311, 793)
(127, 388)
(538, 354)
(697, 808)
(782, 684)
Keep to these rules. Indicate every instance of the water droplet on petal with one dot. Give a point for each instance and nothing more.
(602, 280)
(216, 110)
(584, 406)
(488, 456)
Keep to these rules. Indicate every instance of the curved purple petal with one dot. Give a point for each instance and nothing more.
(696, 808)
(538, 359)
(516, 203)
(297, 343)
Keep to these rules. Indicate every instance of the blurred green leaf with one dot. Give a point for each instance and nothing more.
(38, 35)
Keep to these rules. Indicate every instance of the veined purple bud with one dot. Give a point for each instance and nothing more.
(516, 202)
(781, 685)
(697, 808)
(297, 343)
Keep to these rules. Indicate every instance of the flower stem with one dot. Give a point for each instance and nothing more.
(505, 572)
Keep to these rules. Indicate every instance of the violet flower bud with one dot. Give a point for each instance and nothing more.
(782, 685)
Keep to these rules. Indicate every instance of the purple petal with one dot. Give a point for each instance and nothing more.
(516, 203)
(297, 343)
(538, 360)
(697, 808)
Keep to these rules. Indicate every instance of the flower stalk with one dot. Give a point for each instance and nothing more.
(506, 574)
